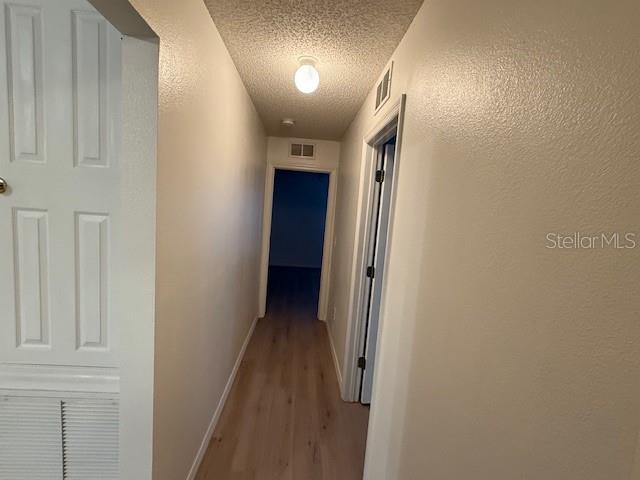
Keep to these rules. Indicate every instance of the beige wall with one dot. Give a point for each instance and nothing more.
(211, 165)
(510, 360)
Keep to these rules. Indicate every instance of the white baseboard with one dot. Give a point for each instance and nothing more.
(216, 415)
(336, 364)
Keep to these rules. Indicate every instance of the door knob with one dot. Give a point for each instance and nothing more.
(3, 185)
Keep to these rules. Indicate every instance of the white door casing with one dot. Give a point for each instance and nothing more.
(325, 273)
(60, 87)
(386, 127)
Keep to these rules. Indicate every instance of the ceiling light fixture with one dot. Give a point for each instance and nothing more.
(307, 77)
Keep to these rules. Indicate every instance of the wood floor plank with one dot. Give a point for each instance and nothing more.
(284, 419)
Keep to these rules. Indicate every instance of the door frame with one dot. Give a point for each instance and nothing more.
(327, 246)
(375, 256)
(388, 126)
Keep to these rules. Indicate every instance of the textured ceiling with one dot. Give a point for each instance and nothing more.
(352, 40)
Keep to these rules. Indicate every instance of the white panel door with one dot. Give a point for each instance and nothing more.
(59, 153)
(376, 254)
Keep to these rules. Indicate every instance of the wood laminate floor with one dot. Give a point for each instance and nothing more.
(284, 418)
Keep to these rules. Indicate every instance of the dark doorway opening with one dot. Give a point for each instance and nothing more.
(297, 237)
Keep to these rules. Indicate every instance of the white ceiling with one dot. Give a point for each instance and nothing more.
(352, 40)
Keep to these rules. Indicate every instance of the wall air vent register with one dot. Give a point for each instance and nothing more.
(383, 90)
(302, 150)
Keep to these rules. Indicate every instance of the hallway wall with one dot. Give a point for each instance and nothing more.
(211, 167)
(511, 360)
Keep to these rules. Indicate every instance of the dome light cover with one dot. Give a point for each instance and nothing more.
(307, 77)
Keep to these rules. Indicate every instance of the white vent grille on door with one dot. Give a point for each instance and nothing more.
(383, 90)
(304, 150)
(90, 439)
(54, 439)
(30, 439)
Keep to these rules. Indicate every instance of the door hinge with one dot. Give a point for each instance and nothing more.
(379, 176)
(371, 271)
(362, 363)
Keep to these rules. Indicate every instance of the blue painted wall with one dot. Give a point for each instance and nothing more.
(297, 223)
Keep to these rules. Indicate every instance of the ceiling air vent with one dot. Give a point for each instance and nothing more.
(383, 90)
(302, 150)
